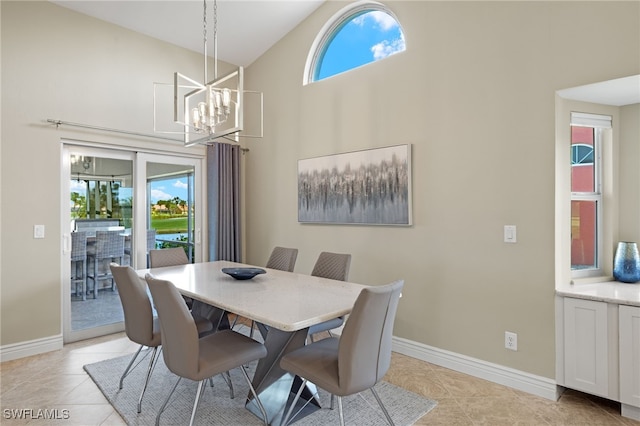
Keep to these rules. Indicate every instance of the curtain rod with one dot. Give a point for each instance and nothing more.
(59, 123)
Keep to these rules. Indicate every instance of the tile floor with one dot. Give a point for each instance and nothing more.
(56, 381)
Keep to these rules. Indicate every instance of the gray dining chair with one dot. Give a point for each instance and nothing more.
(139, 324)
(283, 259)
(334, 266)
(194, 358)
(167, 257)
(79, 262)
(176, 256)
(109, 245)
(358, 359)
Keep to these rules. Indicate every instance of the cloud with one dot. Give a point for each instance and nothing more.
(180, 184)
(159, 194)
(387, 48)
(383, 20)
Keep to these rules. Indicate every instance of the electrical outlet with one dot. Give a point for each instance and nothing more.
(511, 340)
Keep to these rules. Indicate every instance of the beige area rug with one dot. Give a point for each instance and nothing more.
(216, 407)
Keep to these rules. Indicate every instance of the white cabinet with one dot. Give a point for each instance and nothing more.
(600, 351)
(629, 326)
(586, 346)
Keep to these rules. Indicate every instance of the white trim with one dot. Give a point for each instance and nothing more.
(590, 120)
(332, 27)
(630, 411)
(520, 380)
(31, 347)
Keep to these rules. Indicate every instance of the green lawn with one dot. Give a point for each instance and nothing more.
(171, 225)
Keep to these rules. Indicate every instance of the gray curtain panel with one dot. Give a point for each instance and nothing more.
(223, 198)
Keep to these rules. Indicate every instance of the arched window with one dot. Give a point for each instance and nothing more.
(360, 33)
(581, 154)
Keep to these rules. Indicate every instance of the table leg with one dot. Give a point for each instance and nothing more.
(273, 385)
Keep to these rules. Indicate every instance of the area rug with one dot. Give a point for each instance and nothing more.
(216, 406)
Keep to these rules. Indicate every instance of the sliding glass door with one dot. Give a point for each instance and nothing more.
(149, 201)
(171, 207)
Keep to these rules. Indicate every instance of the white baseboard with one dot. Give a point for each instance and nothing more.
(630, 411)
(32, 347)
(536, 385)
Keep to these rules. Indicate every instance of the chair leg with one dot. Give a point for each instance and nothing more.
(255, 395)
(95, 277)
(146, 381)
(340, 411)
(294, 402)
(227, 378)
(195, 403)
(384, 410)
(166, 401)
(83, 284)
(126, 371)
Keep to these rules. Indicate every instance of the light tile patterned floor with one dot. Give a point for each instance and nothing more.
(56, 380)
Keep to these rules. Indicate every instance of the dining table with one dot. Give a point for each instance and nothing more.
(283, 304)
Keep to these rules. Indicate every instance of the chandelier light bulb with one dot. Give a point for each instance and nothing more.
(202, 110)
(226, 101)
(195, 118)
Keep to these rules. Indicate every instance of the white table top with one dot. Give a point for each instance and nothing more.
(284, 300)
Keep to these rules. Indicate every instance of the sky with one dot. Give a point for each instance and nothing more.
(366, 38)
(168, 189)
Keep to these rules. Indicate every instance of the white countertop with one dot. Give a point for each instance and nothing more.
(610, 291)
(284, 300)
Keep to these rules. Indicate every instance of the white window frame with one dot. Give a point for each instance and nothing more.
(599, 123)
(331, 27)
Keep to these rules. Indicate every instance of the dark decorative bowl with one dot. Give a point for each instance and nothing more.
(243, 273)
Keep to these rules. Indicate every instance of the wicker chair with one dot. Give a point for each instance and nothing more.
(79, 262)
(109, 246)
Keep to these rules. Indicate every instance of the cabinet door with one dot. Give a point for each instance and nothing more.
(629, 355)
(586, 346)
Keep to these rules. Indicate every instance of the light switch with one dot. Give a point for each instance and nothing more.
(38, 231)
(510, 234)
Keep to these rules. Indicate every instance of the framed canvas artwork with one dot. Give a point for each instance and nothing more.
(369, 187)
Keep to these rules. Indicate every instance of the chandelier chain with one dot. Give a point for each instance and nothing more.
(204, 36)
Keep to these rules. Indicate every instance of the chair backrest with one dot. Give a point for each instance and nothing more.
(151, 239)
(109, 244)
(167, 257)
(180, 346)
(364, 352)
(78, 246)
(283, 258)
(334, 266)
(138, 315)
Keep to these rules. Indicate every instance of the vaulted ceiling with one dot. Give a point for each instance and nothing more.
(246, 28)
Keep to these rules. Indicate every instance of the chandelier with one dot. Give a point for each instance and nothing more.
(214, 109)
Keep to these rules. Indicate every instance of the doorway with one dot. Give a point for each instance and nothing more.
(148, 200)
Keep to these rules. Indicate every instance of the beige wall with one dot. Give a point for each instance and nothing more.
(63, 65)
(475, 96)
(629, 173)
